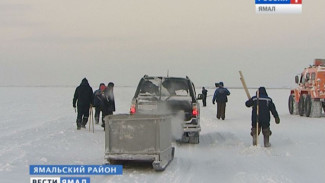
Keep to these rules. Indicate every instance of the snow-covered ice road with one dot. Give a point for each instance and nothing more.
(37, 126)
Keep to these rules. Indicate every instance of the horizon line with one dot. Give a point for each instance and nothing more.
(126, 86)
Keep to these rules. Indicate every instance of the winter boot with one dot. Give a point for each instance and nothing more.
(84, 122)
(266, 141)
(267, 133)
(103, 125)
(78, 124)
(254, 135)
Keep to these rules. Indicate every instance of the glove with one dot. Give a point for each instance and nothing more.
(277, 120)
(213, 103)
(74, 105)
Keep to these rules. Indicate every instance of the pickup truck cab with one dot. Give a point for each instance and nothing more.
(170, 96)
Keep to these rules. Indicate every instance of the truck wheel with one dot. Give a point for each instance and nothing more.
(301, 105)
(185, 138)
(316, 108)
(195, 139)
(308, 105)
(291, 103)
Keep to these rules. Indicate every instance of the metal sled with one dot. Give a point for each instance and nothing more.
(139, 137)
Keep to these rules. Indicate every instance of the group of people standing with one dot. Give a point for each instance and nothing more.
(262, 105)
(220, 96)
(102, 100)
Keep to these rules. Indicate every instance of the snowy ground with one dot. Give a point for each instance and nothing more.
(37, 126)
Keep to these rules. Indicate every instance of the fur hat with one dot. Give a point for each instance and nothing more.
(110, 84)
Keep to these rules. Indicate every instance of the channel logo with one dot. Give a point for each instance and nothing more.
(278, 6)
(59, 180)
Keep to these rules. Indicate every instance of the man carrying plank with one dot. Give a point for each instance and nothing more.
(262, 106)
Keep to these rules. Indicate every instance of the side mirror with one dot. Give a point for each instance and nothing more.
(297, 79)
(199, 97)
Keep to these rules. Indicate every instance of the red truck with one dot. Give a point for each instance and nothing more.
(308, 98)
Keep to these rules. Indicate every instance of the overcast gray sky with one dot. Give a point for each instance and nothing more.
(59, 42)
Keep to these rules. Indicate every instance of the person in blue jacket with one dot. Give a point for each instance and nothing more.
(220, 96)
(265, 105)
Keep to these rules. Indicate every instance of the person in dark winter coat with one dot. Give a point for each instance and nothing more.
(265, 105)
(205, 94)
(97, 94)
(220, 96)
(83, 97)
(107, 101)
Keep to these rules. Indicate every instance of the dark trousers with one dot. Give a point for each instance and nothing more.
(97, 114)
(82, 116)
(105, 113)
(265, 130)
(204, 100)
(221, 110)
(262, 125)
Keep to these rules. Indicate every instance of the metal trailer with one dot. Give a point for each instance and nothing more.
(139, 137)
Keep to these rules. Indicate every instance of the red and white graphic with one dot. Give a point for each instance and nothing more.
(278, 6)
(295, 1)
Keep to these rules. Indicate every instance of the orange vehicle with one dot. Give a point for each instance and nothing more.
(308, 99)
